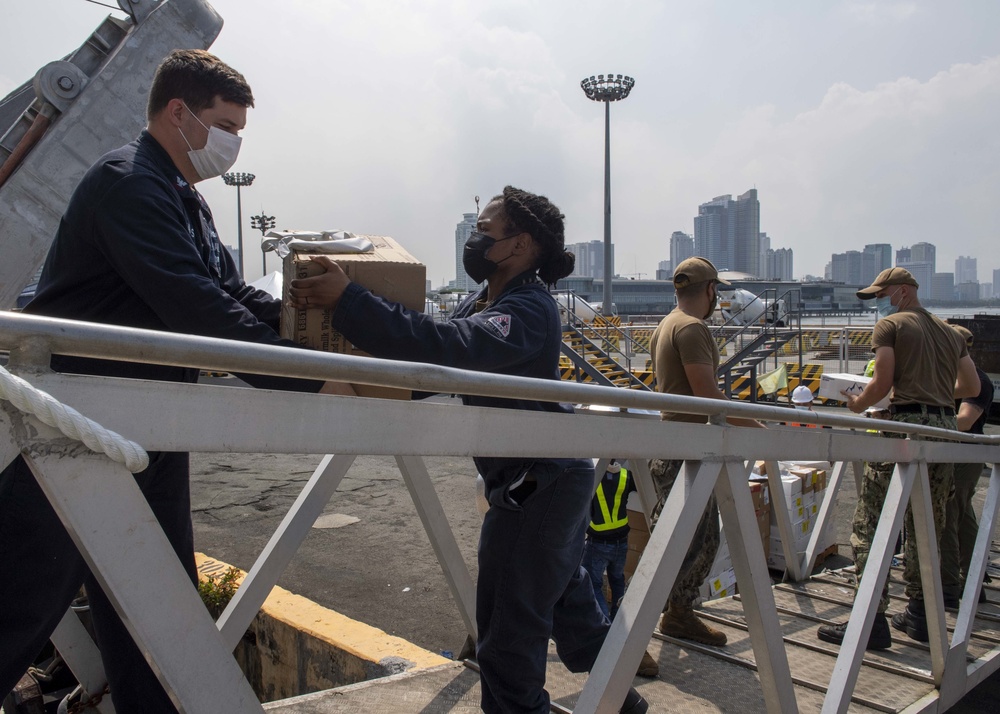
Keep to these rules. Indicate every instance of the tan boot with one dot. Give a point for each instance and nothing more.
(683, 624)
(649, 667)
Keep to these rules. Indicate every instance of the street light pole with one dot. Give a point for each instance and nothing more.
(611, 88)
(239, 180)
(262, 223)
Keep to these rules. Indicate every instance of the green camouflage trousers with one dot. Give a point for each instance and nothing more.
(958, 539)
(869, 510)
(705, 545)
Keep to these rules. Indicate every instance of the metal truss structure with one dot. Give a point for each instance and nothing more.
(114, 529)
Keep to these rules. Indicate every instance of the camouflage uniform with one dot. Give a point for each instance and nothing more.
(869, 510)
(705, 545)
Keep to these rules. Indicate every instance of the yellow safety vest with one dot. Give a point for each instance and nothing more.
(611, 519)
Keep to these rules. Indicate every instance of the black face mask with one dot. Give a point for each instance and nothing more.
(474, 259)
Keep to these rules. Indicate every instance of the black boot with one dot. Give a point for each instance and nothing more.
(879, 639)
(634, 703)
(913, 621)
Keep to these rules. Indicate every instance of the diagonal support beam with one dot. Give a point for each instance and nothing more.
(650, 587)
(282, 547)
(141, 575)
(826, 510)
(930, 568)
(644, 486)
(793, 566)
(750, 565)
(442, 539)
(955, 681)
(859, 627)
(77, 648)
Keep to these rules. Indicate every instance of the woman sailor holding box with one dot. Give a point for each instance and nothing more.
(531, 586)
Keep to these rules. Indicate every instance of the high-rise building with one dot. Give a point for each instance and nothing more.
(883, 257)
(967, 292)
(996, 282)
(779, 264)
(920, 259)
(727, 232)
(852, 268)
(681, 247)
(590, 258)
(748, 233)
(924, 253)
(985, 291)
(942, 287)
(715, 232)
(965, 270)
(765, 250)
(664, 271)
(462, 232)
(923, 273)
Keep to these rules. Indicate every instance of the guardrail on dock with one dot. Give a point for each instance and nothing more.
(84, 487)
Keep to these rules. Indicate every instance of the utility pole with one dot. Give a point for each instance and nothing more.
(239, 180)
(262, 223)
(607, 89)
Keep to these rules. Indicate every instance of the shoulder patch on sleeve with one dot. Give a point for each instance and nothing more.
(500, 324)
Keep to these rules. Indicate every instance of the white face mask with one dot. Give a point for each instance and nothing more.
(884, 306)
(219, 153)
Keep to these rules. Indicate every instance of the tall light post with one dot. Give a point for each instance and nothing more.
(262, 223)
(239, 180)
(607, 88)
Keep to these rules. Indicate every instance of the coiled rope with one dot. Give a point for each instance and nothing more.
(72, 423)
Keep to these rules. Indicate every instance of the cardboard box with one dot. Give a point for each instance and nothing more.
(831, 385)
(792, 486)
(637, 540)
(764, 526)
(723, 584)
(388, 271)
(807, 476)
(776, 556)
(759, 495)
(637, 521)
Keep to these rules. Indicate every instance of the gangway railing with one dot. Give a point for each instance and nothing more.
(83, 488)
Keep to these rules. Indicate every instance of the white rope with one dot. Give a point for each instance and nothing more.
(72, 423)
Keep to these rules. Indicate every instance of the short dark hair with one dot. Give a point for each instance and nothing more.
(531, 213)
(197, 77)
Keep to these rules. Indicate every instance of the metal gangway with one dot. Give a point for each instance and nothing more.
(192, 654)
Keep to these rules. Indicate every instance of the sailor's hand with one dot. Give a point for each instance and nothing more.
(323, 290)
(852, 402)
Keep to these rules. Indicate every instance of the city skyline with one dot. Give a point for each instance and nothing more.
(892, 142)
(854, 267)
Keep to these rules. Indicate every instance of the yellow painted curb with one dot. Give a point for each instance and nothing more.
(355, 638)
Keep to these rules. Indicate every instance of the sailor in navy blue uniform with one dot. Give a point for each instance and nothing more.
(137, 247)
(531, 585)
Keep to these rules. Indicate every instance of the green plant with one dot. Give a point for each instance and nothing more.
(217, 590)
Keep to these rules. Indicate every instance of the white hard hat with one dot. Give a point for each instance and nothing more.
(802, 395)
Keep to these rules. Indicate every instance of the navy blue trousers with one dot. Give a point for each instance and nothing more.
(43, 571)
(532, 587)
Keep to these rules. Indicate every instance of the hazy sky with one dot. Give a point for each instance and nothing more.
(857, 122)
